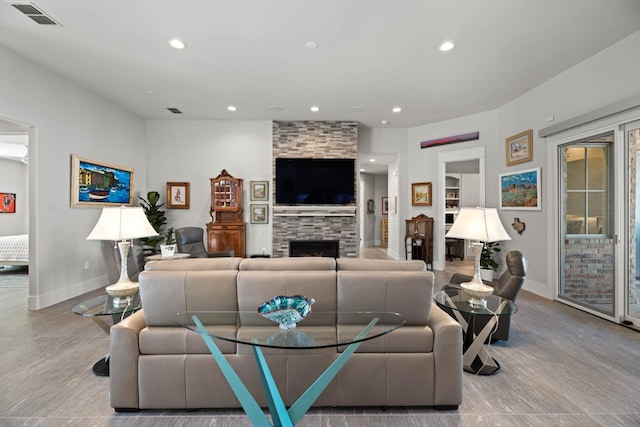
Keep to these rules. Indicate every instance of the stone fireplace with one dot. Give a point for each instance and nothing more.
(327, 140)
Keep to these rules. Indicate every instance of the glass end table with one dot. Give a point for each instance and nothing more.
(97, 309)
(454, 301)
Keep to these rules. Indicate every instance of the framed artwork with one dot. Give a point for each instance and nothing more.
(519, 148)
(421, 194)
(259, 214)
(178, 195)
(385, 205)
(521, 190)
(450, 140)
(7, 202)
(97, 184)
(260, 190)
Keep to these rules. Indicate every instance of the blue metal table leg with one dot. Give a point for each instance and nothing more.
(304, 402)
(248, 403)
(278, 411)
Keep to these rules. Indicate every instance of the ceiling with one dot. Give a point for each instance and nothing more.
(371, 56)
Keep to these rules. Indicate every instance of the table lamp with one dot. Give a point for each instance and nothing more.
(482, 225)
(122, 223)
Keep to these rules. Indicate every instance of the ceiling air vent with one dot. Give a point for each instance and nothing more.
(33, 12)
(174, 110)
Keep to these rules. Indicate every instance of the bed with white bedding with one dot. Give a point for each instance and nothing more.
(14, 250)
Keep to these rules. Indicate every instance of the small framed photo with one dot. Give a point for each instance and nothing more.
(519, 148)
(260, 190)
(178, 195)
(385, 205)
(421, 194)
(451, 195)
(7, 202)
(259, 214)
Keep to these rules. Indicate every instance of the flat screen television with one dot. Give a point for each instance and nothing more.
(315, 181)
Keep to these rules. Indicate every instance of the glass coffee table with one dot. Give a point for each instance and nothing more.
(475, 359)
(350, 330)
(97, 309)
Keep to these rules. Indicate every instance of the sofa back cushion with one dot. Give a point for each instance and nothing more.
(295, 263)
(406, 292)
(193, 264)
(380, 264)
(166, 293)
(256, 287)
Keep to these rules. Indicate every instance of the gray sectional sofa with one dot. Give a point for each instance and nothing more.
(157, 364)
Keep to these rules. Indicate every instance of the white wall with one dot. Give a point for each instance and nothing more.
(195, 151)
(14, 179)
(66, 119)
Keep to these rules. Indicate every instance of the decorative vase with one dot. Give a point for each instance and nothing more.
(168, 251)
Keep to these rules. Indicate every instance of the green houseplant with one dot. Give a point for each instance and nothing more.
(153, 210)
(168, 248)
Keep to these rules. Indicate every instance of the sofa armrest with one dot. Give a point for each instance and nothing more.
(447, 354)
(123, 361)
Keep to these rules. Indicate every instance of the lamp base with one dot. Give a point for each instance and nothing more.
(477, 302)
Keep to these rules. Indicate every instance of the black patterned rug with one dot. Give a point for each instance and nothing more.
(14, 276)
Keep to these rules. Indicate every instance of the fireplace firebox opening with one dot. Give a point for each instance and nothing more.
(320, 248)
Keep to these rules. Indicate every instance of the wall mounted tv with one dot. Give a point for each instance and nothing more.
(315, 181)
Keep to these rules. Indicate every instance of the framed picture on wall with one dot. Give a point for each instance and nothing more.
(519, 148)
(7, 202)
(521, 190)
(96, 183)
(259, 214)
(421, 194)
(260, 190)
(178, 195)
(385, 205)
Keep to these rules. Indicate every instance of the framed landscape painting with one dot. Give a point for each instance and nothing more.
(97, 184)
(259, 214)
(519, 148)
(421, 194)
(521, 190)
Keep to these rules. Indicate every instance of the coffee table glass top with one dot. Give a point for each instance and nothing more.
(103, 306)
(456, 299)
(318, 330)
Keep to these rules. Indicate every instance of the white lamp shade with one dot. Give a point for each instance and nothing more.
(122, 223)
(482, 224)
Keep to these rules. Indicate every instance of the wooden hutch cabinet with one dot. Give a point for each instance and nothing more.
(419, 239)
(226, 231)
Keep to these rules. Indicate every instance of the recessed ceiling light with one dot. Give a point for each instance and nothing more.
(275, 108)
(361, 170)
(372, 160)
(231, 108)
(315, 109)
(396, 109)
(177, 44)
(311, 45)
(447, 46)
(384, 122)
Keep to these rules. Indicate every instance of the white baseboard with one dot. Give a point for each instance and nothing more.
(59, 295)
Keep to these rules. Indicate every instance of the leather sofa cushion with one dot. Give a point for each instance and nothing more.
(380, 264)
(295, 263)
(165, 293)
(193, 264)
(179, 340)
(406, 292)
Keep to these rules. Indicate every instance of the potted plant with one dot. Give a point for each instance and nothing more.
(488, 265)
(168, 248)
(157, 219)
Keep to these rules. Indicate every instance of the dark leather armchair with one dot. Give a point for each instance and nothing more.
(507, 286)
(111, 256)
(190, 240)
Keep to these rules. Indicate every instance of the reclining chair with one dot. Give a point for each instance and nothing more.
(507, 286)
(190, 240)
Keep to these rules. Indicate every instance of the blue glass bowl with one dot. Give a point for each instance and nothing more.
(286, 310)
